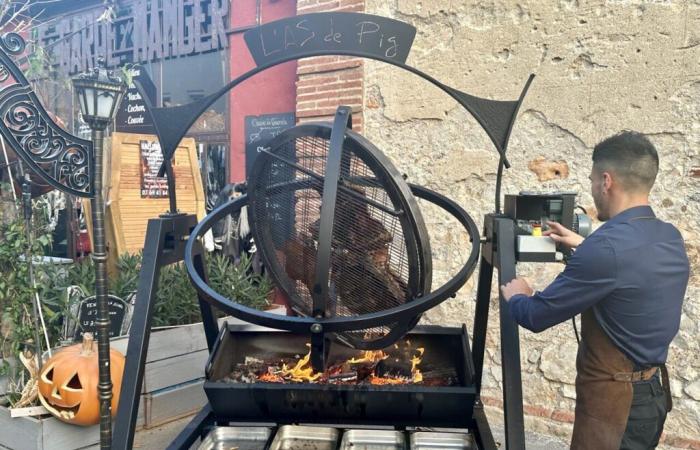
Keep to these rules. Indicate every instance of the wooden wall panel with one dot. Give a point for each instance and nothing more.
(127, 213)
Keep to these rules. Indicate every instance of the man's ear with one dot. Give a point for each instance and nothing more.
(606, 181)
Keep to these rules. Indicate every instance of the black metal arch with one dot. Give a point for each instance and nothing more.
(61, 159)
(171, 123)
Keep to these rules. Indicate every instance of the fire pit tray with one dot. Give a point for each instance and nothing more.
(291, 437)
(417, 405)
(373, 440)
(240, 438)
(428, 440)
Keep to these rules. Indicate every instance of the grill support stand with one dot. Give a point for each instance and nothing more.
(165, 244)
(499, 251)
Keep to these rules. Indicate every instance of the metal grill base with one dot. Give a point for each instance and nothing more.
(407, 405)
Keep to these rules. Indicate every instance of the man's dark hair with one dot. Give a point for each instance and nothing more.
(630, 156)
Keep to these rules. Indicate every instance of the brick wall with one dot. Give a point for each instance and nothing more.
(325, 82)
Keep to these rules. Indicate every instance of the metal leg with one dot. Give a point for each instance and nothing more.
(482, 433)
(211, 328)
(193, 430)
(481, 318)
(139, 336)
(510, 340)
(163, 245)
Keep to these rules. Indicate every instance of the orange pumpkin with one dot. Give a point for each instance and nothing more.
(68, 383)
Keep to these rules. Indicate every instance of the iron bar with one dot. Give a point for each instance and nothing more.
(29, 257)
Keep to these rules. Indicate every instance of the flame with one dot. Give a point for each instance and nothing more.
(369, 356)
(415, 371)
(303, 372)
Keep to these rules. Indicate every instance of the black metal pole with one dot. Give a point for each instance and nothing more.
(99, 256)
(28, 255)
(510, 339)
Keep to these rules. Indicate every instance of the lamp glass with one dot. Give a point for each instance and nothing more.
(88, 101)
(105, 100)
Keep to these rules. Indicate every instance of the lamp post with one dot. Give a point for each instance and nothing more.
(99, 93)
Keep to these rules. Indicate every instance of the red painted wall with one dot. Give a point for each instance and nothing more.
(272, 91)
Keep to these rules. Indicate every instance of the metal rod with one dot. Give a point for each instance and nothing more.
(99, 256)
(28, 255)
(172, 196)
(483, 297)
(510, 339)
(9, 172)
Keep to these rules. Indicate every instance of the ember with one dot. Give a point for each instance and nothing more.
(372, 367)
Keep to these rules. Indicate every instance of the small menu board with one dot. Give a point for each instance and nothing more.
(260, 129)
(87, 316)
(151, 157)
(132, 116)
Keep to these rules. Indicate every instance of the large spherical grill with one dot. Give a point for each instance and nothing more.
(379, 254)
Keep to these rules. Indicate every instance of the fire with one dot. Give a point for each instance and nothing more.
(302, 371)
(369, 356)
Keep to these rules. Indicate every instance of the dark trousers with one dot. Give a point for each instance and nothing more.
(647, 416)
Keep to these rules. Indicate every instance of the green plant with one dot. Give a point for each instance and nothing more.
(16, 291)
(237, 281)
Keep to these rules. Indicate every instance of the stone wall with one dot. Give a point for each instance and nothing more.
(601, 66)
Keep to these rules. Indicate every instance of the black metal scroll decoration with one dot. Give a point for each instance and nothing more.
(334, 33)
(61, 159)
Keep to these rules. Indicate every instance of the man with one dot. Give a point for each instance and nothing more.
(628, 280)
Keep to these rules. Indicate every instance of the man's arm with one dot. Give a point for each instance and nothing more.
(589, 276)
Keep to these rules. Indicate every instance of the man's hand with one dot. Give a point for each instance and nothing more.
(514, 287)
(562, 235)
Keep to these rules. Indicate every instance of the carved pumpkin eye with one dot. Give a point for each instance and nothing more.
(74, 383)
(48, 376)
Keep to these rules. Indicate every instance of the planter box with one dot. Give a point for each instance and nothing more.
(48, 433)
(172, 388)
(174, 373)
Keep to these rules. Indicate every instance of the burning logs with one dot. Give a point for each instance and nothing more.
(370, 368)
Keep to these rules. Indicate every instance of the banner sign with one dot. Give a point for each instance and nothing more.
(143, 31)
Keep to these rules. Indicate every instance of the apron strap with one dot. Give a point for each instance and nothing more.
(667, 387)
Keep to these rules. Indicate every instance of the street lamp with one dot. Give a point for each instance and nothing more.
(99, 93)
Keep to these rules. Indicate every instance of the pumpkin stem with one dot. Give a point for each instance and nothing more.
(88, 340)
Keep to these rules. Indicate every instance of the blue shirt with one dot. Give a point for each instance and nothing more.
(633, 272)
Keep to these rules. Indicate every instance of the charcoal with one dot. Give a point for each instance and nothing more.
(393, 367)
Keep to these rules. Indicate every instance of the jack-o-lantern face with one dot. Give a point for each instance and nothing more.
(68, 383)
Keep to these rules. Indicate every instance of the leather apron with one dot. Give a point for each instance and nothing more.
(603, 400)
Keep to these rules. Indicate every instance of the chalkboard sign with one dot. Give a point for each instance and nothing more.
(331, 33)
(259, 130)
(87, 316)
(132, 116)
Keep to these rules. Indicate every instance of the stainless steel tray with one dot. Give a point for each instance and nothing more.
(238, 438)
(373, 440)
(429, 440)
(292, 437)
